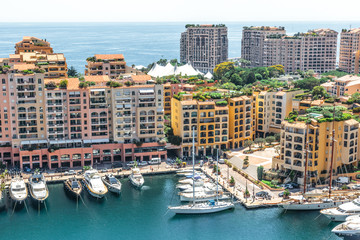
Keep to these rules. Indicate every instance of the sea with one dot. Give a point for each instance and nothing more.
(141, 43)
(142, 214)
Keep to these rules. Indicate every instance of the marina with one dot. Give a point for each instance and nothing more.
(115, 214)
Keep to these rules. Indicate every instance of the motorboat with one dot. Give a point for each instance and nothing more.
(202, 196)
(94, 184)
(17, 190)
(136, 178)
(300, 203)
(210, 206)
(349, 230)
(339, 214)
(38, 188)
(197, 181)
(73, 186)
(113, 184)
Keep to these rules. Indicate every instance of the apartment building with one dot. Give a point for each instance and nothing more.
(349, 50)
(44, 125)
(204, 46)
(33, 44)
(267, 46)
(318, 135)
(271, 110)
(215, 126)
(252, 43)
(112, 65)
(346, 85)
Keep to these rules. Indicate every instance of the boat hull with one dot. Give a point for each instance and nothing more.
(92, 192)
(71, 192)
(309, 206)
(202, 198)
(112, 188)
(189, 209)
(137, 184)
(336, 217)
(36, 198)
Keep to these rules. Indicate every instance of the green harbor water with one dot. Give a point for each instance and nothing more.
(142, 214)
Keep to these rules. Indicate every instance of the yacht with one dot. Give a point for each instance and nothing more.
(136, 178)
(94, 184)
(38, 188)
(202, 208)
(202, 196)
(112, 183)
(73, 186)
(345, 210)
(349, 230)
(17, 190)
(197, 181)
(301, 203)
(211, 206)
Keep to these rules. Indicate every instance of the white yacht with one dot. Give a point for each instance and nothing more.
(202, 196)
(211, 206)
(349, 230)
(94, 184)
(113, 184)
(136, 178)
(345, 210)
(198, 181)
(17, 190)
(300, 203)
(202, 208)
(38, 188)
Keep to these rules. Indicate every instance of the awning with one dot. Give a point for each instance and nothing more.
(104, 140)
(146, 91)
(97, 89)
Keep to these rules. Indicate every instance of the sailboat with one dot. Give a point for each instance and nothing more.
(211, 206)
(301, 203)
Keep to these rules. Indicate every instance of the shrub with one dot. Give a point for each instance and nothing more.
(63, 83)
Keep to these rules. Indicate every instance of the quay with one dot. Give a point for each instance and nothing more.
(238, 190)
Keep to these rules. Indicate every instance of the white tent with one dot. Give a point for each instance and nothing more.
(208, 75)
(161, 71)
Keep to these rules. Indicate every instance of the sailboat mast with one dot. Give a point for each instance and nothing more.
(193, 162)
(217, 174)
(306, 155)
(332, 151)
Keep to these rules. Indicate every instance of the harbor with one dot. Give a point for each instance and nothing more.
(136, 213)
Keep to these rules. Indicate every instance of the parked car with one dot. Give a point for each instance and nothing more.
(143, 163)
(130, 164)
(117, 165)
(262, 194)
(356, 187)
(70, 172)
(282, 194)
(343, 180)
(104, 170)
(221, 160)
(295, 185)
(27, 170)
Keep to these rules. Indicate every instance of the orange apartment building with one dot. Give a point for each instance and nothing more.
(112, 65)
(33, 44)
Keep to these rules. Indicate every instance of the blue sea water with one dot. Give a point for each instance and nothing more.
(141, 43)
(142, 214)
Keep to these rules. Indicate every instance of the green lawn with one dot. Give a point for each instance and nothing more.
(269, 184)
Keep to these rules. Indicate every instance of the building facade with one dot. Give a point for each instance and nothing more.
(33, 44)
(267, 46)
(217, 126)
(204, 46)
(271, 110)
(349, 50)
(112, 65)
(318, 136)
(44, 125)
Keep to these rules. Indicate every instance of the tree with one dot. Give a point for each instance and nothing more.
(63, 83)
(277, 137)
(319, 92)
(260, 171)
(222, 68)
(72, 72)
(248, 143)
(270, 139)
(259, 141)
(307, 83)
(246, 161)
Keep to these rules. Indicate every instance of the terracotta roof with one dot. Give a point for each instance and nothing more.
(108, 56)
(141, 78)
(97, 78)
(73, 83)
(23, 66)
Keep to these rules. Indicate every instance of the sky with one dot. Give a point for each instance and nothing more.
(179, 10)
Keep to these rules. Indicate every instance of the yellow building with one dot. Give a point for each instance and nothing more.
(167, 98)
(241, 120)
(214, 123)
(318, 135)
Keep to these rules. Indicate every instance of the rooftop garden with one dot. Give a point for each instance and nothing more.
(321, 114)
(200, 25)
